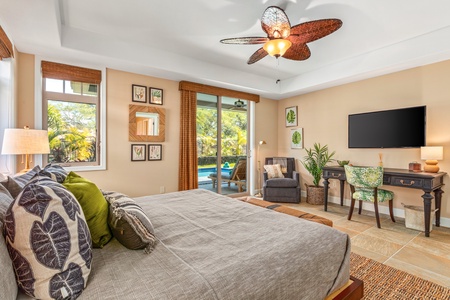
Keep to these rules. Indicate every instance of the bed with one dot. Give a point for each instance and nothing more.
(215, 247)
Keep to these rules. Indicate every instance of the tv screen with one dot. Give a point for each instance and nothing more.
(398, 128)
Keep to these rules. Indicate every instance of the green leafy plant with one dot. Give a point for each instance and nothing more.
(296, 138)
(290, 117)
(317, 158)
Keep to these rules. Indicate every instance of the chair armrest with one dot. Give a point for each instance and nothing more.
(265, 176)
(296, 176)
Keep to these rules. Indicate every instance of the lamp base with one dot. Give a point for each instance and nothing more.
(431, 166)
(258, 195)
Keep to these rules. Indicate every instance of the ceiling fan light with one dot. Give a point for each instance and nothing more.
(277, 47)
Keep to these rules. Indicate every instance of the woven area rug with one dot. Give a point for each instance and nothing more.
(384, 282)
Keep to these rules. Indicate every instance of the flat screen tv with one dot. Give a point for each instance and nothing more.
(397, 128)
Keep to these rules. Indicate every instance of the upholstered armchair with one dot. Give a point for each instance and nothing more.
(364, 183)
(283, 185)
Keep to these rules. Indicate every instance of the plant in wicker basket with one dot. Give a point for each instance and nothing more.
(316, 158)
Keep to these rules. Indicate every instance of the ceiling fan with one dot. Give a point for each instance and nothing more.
(284, 40)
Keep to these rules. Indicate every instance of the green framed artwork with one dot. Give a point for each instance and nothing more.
(297, 138)
(291, 116)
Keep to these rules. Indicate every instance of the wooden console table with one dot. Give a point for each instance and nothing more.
(428, 182)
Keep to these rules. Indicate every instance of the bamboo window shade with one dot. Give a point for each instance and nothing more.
(6, 47)
(212, 90)
(72, 73)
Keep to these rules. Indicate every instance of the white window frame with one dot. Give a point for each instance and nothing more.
(102, 113)
(7, 113)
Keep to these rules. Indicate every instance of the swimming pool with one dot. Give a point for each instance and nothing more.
(204, 172)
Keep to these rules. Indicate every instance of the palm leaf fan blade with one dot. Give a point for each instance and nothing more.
(245, 40)
(297, 51)
(258, 55)
(275, 23)
(314, 30)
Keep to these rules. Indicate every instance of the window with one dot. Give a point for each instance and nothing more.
(71, 114)
(7, 162)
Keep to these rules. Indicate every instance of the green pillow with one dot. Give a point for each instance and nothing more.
(94, 205)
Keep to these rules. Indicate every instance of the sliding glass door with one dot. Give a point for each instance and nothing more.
(222, 150)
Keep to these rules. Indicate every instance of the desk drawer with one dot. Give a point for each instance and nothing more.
(407, 182)
(334, 175)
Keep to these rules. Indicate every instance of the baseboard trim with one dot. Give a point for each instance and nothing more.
(398, 212)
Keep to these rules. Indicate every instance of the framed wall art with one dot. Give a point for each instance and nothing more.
(139, 93)
(156, 96)
(138, 152)
(290, 116)
(297, 138)
(155, 152)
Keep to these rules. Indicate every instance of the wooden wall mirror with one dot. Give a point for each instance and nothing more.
(146, 124)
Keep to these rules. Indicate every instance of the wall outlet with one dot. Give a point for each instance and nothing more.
(162, 189)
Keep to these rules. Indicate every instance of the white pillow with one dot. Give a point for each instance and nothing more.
(273, 171)
(48, 241)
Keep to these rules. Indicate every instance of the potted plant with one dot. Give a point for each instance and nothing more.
(316, 158)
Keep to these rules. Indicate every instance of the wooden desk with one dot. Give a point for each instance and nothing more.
(428, 182)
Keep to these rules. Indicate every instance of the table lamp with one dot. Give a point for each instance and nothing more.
(26, 142)
(431, 155)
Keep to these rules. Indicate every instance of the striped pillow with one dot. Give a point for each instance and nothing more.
(128, 223)
(23, 179)
(56, 172)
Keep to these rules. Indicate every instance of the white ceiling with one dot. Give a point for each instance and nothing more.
(179, 39)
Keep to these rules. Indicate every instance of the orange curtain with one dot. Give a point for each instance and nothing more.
(187, 175)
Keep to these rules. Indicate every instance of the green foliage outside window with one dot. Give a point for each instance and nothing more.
(234, 132)
(71, 132)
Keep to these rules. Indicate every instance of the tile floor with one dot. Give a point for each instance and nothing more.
(394, 244)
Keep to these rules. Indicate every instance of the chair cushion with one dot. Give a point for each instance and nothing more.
(282, 183)
(367, 194)
(273, 171)
(48, 241)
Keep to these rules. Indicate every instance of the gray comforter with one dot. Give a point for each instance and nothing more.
(215, 247)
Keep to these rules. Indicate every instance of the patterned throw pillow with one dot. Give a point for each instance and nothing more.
(55, 172)
(273, 171)
(48, 241)
(129, 224)
(23, 179)
(94, 206)
(15, 184)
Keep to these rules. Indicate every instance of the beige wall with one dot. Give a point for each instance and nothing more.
(323, 117)
(138, 178)
(146, 177)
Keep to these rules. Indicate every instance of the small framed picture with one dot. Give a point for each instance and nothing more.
(156, 96)
(297, 138)
(138, 152)
(139, 93)
(155, 152)
(291, 116)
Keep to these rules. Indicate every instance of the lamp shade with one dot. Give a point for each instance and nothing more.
(431, 153)
(25, 141)
(277, 47)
